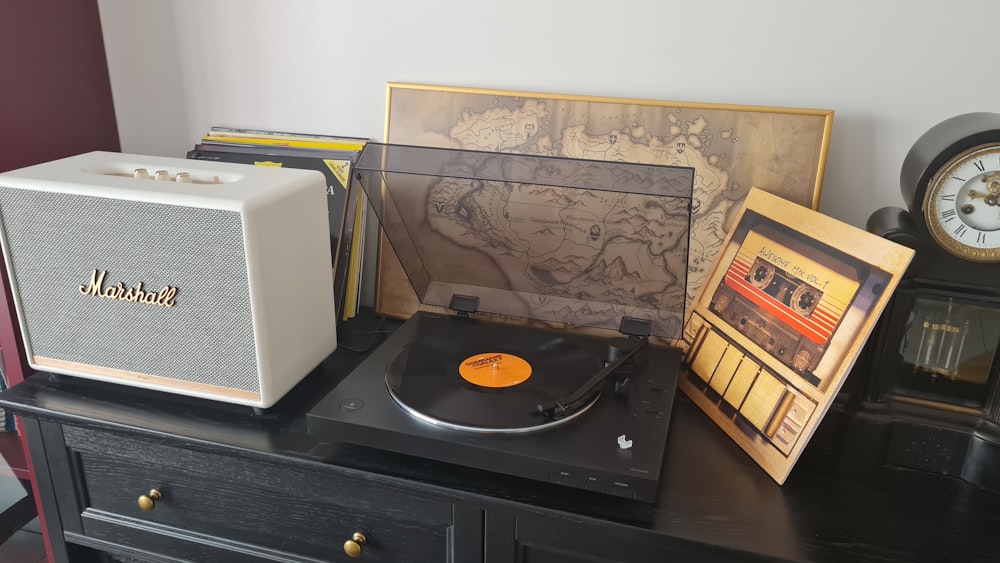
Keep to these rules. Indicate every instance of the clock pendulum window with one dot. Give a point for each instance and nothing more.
(947, 352)
(933, 357)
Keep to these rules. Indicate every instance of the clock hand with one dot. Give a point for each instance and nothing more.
(992, 198)
(992, 184)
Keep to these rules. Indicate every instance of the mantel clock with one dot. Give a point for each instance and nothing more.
(932, 362)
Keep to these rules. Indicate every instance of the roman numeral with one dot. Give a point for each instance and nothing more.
(948, 215)
(979, 165)
(959, 179)
(949, 197)
(960, 231)
(981, 238)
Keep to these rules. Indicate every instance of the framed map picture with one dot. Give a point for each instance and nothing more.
(779, 322)
(731, 147)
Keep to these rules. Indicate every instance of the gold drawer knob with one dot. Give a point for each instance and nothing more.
(353, 546)
(148, 502)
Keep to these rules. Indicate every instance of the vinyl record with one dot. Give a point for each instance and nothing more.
(470, 375)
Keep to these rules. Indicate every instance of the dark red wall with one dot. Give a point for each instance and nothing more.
(55, 101)
(55, 95)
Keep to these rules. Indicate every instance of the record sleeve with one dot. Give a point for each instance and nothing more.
(781, 320)
(336, 166)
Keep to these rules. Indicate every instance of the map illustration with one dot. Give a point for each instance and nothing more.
(731, 148)
(563, 240)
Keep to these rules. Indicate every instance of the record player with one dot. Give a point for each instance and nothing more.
(552, 291)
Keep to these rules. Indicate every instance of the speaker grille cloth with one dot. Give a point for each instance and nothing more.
(56, 241)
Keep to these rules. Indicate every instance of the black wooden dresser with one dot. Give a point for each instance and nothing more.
(225, 484)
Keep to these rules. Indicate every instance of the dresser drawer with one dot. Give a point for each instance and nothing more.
(551, 538)
(251, 500)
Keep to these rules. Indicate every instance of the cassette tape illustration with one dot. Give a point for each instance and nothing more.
(784, 314)
(785, 301)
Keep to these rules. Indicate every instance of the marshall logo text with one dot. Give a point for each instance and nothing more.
(163, 298)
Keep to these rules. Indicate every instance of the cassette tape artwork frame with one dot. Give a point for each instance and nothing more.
(780, 322)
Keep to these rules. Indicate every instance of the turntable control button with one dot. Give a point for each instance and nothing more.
(563, 478)
(620, 489)
(352, 404)
(593, 484)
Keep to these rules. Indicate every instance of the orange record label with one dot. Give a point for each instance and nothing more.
(495, 369)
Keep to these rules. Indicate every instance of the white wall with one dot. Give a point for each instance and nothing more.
(889, 68)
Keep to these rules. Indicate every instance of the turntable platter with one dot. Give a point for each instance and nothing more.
(489, 378)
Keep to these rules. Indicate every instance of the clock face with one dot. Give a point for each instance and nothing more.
(962, 204)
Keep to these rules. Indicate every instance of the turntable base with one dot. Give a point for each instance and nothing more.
(616, 447)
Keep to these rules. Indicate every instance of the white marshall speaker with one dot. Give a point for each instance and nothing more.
(199, 278)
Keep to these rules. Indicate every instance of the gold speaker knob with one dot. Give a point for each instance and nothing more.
(148, 502)
(353, 546)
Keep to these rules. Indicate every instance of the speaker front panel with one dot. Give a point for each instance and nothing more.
(158, 294)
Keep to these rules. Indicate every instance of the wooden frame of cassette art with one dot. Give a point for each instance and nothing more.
(731, 147)
(780, 322)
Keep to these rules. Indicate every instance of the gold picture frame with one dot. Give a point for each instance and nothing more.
(731, 147)
(780, 321)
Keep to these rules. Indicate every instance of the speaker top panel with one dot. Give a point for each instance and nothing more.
(174, 181)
